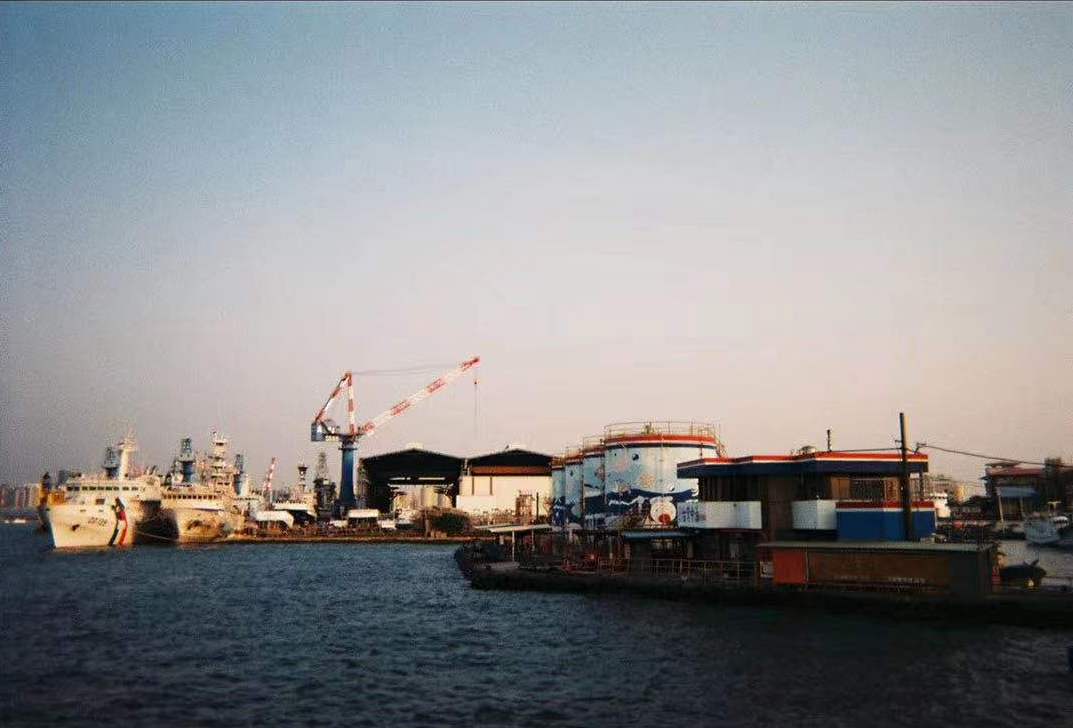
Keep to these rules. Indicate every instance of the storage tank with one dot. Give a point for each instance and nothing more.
(592, 477)
(430, 497)
(572, 486)
(641, 482)
(558, 494)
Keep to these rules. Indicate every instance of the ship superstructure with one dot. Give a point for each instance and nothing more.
(201, 508)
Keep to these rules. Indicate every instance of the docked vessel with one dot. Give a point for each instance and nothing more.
(196, 514)
(302, 510)
(300, 501)
(200, 512)
(46, 495)
(104, 510)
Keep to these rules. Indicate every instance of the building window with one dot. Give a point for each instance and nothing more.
(868, 489)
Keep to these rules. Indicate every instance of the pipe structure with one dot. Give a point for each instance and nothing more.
(111, 463)
(187, 459)
(240, 472)
(349, 448)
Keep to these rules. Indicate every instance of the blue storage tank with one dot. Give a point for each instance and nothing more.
(572, 486)
(592, 478)
(867, 521)
(558, 491)
(641, 482)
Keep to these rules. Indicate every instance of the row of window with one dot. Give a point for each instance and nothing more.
(109, 488)
(807, 487)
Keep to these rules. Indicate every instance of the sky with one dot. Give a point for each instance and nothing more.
(778, 218)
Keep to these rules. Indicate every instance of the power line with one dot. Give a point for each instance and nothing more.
(401, 371)
(993, 458)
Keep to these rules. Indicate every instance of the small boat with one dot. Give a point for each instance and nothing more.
(1047, 530)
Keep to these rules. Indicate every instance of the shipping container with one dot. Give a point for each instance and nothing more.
(962, 570)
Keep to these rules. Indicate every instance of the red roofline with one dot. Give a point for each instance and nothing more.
(852, 456)
(689, 439)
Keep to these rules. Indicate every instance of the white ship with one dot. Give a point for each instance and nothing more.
(295, 506)
(303, 511)
(206, 511)
(104, 510)
(197, 514)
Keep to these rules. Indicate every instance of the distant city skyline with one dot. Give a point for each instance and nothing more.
(778, 218)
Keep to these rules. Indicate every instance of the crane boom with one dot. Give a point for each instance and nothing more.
(371, 426)
(324, 428)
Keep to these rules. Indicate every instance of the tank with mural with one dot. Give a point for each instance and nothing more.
(642, 487)
(558, 499)
(592, 477)
(572, 487)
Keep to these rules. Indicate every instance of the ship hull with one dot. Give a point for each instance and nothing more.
(197, 525)
(76, 525)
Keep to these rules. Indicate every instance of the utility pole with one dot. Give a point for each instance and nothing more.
(828, 439)
(907, 494)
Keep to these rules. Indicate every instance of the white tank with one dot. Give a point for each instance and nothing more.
(558, 493)
(641, 482)
(572, 486)
(592, 477)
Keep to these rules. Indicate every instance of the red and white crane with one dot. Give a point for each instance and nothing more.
(266, 486)
(324, 429)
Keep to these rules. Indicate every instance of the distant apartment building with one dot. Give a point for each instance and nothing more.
(19, 497)
(958, 491)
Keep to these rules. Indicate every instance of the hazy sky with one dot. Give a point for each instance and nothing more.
(781, 218)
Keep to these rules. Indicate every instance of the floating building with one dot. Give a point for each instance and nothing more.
(811, 496)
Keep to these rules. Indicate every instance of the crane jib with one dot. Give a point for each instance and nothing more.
(325, 428)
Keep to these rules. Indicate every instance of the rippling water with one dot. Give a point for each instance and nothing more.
(328, 634)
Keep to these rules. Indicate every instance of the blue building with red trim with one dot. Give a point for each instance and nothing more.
(745, 501)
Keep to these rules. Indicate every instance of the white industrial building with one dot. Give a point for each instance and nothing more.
(512, 483)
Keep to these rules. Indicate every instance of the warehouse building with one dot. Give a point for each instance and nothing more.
(509, 486)
(512, 485)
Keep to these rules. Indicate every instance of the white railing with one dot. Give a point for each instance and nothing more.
(623, 429)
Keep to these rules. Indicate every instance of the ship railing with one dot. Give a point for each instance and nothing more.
(612, 565)
(726, 572)
(740, 573)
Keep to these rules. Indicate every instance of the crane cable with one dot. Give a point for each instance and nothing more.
(475, 405)
(420, 369)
